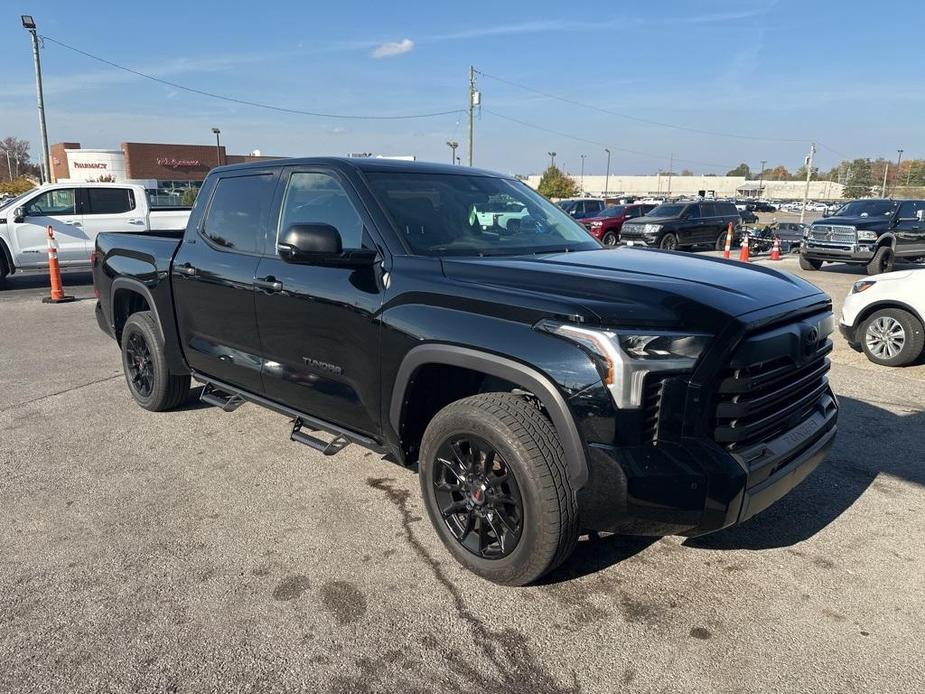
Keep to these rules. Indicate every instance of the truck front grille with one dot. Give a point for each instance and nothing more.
(763, 394)
(832, 233)
(651, 407)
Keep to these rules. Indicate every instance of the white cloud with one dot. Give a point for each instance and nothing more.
(390, 48)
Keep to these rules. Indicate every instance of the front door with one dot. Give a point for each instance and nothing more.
(56, 208)
(318, 324)
(213, 281)
(910, 230)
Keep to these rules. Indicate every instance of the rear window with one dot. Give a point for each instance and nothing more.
(237, 211)
(110, 200)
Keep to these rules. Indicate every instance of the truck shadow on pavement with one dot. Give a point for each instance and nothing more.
(870, 441)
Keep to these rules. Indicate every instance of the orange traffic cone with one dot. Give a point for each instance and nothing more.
(728, 242)
(775, 249)
(54, 272)
(743, 249)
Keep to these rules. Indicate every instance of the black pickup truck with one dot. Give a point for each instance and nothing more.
(542, 384)
(867, 232)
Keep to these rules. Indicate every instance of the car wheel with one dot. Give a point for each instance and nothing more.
(892, 337)
(494, 482)
(883, 261)
(609, 239)
(721, 241)
(810, 263)
(669, 242)
(145, 365)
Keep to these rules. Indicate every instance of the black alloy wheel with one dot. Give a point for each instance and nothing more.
(478, 496)
(140, 365)
(610, 239)
(669, 242)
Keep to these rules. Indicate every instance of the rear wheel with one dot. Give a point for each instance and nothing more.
(892, 337)
(721, 241)
(810, 263)
(493, 479)
(883, 261)
(609, 239)
(669, 242)
(145, 365)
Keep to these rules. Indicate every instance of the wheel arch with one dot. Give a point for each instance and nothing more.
(869, 310)
(130, 296)
(7, 257)
(887, 239)
(493, 366)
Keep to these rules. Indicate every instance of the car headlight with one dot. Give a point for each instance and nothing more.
(862, 286)
(864, 235)
(596, 225)
(652, 228)
(626, 356)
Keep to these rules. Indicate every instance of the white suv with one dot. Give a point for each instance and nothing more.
(883, 316)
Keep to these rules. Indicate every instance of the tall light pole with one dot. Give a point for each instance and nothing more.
(218, 146)
(886, 170)
(809, 175)
(452, 144)
(761, 178)
(9, 165)
(899, 160)
(607, 175)
(581, 180)
(29, 25)
(552, 159)
(670, 167)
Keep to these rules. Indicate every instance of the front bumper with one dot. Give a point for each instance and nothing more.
(845, 253)
(850, 333)
(696, 486)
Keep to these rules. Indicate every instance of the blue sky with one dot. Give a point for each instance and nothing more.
(843, 73)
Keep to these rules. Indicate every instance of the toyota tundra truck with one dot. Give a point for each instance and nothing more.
(541, 384)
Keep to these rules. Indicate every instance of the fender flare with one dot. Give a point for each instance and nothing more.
(139, 288)
(888, 238)
(520, 374)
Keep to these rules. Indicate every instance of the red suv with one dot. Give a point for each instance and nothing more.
(605, 227)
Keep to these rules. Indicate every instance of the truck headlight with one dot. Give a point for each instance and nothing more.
(651, 228)
(864, 235)
(626, 356)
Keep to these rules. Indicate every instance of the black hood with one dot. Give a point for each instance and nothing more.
(642, 287)
(857, 222)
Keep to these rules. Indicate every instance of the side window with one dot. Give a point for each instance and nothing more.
(237, 210)
(110, 200)
(910, 208)
(707, 209)
(317, 198)
(693, 212)
(53, 202)
(595, 206)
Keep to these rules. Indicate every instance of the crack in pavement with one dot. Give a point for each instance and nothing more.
(60, 392)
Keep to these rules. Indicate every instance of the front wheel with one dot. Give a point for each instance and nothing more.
(493, 478)
(809, 263)
(609, 239)
(892, 337)
(669, 242)
(145, 364)
(883, 261)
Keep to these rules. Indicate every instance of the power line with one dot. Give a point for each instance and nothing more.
(245, 102)
(577, 138)
(646, 121)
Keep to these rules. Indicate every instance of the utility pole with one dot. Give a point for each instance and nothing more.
(581, 180)
(218, 146)
(474, 100)
(899, 160)
(607, 176)
(670, 167)
(886, 170)
(452, 144)
(761, 178)
(29, 25)
(809, 175)
(552, 159)
(9, 165)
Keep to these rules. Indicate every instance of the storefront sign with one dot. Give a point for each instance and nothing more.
(90, 165)
(171, 163)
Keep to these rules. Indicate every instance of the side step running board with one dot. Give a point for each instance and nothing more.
(327, 448)
(218, 398)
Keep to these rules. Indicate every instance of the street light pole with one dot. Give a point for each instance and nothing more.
(29, 25)
(761, 178)
(607, 176)
(899, 160)
(552, 159)
(809, 175)
(581, 180)
(218, 146)
(452, 144)
(9, 165)
(670, 167)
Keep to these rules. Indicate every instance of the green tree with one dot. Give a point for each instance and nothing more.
(741, 170)
(778, 173)
(555, 184)
(859, 180)
(189, 197)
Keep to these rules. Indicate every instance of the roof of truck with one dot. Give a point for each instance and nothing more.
(367, 164)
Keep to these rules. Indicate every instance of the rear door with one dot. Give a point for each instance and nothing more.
(57, 208)
(213, 280)
(909, 230)
(110, 208)
(710, 222)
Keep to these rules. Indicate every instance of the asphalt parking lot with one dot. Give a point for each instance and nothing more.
(201, 551)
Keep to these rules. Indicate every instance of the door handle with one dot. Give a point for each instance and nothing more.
(270, 284)
(185, 269)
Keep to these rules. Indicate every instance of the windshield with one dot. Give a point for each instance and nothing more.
(868, 208)
(13, 201)
(614, 211)
(439, 215)
(667, 211)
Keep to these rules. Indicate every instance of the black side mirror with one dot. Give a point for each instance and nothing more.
(320, 244)
(19, 215)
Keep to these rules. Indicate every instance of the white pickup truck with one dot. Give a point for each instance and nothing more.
(77, 212)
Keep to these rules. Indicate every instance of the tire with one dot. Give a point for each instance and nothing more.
(526, 448)
(906, 333)
(609, 239)
(883, 261)
(669, 242)
(145, 365)
(809, 263)
(721, 241)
